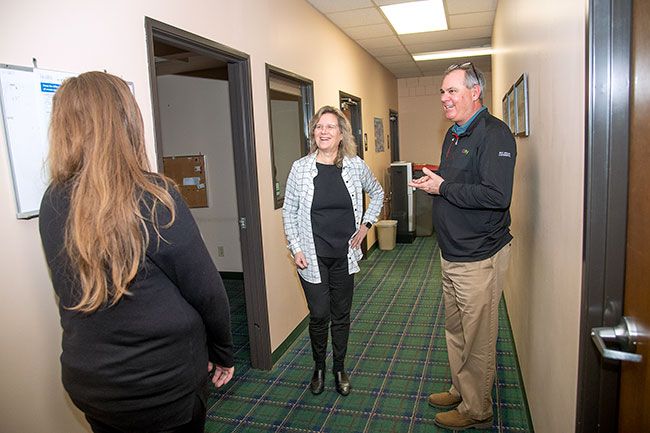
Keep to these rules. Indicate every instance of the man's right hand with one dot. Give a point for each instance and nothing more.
(429, 183)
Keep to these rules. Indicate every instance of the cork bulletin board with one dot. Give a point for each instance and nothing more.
(188, 172)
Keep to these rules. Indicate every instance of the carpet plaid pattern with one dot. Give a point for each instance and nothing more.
(396, 358)
(239, 322)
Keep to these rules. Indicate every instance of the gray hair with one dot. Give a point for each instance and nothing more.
(473, 76)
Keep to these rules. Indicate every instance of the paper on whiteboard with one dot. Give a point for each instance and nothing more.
(26, 108)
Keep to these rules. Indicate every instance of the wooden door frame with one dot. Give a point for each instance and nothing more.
(605, 207)
(248, 204)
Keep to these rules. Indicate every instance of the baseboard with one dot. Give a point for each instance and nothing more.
(282, 348)
(371, 250)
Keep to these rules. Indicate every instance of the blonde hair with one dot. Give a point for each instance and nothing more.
(97, 149)
(347, 146)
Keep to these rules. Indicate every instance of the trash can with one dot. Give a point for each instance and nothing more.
(386, 234)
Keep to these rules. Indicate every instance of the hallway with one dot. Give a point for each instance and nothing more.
(396, 357)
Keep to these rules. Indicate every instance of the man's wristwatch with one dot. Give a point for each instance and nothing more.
(368, 224)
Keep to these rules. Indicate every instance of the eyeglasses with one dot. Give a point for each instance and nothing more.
(465, 67)
(329, 128)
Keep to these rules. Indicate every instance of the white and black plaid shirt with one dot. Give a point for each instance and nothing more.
(298, 197)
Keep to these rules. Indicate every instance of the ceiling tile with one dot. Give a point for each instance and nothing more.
(357, 17)
(370, 31)
(456, 44)
(328, 6)
(471, 20)
(389, 60)
(387, 51)
(386, 41)
(470, 6)
(404, 68)
(449, 35)
(438, 67)
(390, 2)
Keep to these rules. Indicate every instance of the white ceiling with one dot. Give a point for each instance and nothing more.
(469, 21)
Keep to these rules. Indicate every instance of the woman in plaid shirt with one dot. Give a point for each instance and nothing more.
(324, 224)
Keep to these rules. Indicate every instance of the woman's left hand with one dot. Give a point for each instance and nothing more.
(359, 236)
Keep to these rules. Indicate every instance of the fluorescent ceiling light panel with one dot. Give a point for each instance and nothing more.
(416, 17)
(453, 54)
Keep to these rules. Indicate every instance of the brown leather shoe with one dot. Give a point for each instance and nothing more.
(444, 400)
(453, 420)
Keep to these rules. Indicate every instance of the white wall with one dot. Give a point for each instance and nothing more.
(81, 35)
(422, 125)
(195, 119)
(547, 40)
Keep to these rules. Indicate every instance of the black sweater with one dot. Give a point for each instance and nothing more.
(141, 362)
(332, 215)
(471, 215)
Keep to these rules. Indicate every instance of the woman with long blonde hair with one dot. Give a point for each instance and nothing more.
(144, 312)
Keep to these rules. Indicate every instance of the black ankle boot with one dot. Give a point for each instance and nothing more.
(317, 384)
(342, 382)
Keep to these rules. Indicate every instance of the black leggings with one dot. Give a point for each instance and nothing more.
(330, 301)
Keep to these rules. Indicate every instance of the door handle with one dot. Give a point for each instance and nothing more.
(625, 334)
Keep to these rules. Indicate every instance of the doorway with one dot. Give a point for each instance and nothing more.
(613, 396)
(393, 118)
(182, 64)
(351, 108)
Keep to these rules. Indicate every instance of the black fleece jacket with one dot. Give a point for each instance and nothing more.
(471, 215)
(142, 362)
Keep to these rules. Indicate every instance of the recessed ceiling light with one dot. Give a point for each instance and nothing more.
(416, 17)
(453, 54)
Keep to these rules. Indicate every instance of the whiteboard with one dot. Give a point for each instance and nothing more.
(26, 103)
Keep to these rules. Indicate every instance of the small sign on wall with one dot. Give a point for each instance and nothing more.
(188, 172)
(379, 134)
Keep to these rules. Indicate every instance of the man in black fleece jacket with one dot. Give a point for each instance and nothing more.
(471, 199)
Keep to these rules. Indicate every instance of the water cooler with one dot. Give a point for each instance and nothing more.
(402, 198)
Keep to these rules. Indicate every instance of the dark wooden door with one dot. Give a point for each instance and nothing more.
(634, 403)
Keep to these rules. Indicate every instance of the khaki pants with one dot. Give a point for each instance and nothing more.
(472, 291)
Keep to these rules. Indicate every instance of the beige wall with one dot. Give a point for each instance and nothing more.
(422, 125)
(546, 40)
(77, 35)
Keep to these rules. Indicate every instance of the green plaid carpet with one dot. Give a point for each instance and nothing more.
(396, 357)
(239, 322)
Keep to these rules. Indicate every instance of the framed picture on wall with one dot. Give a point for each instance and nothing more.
(505, 109)
(379, 134)
(512, 109)
(521, 98)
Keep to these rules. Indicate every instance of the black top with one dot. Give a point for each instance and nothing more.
(471, 215)
(332, 217)
(139, 363)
